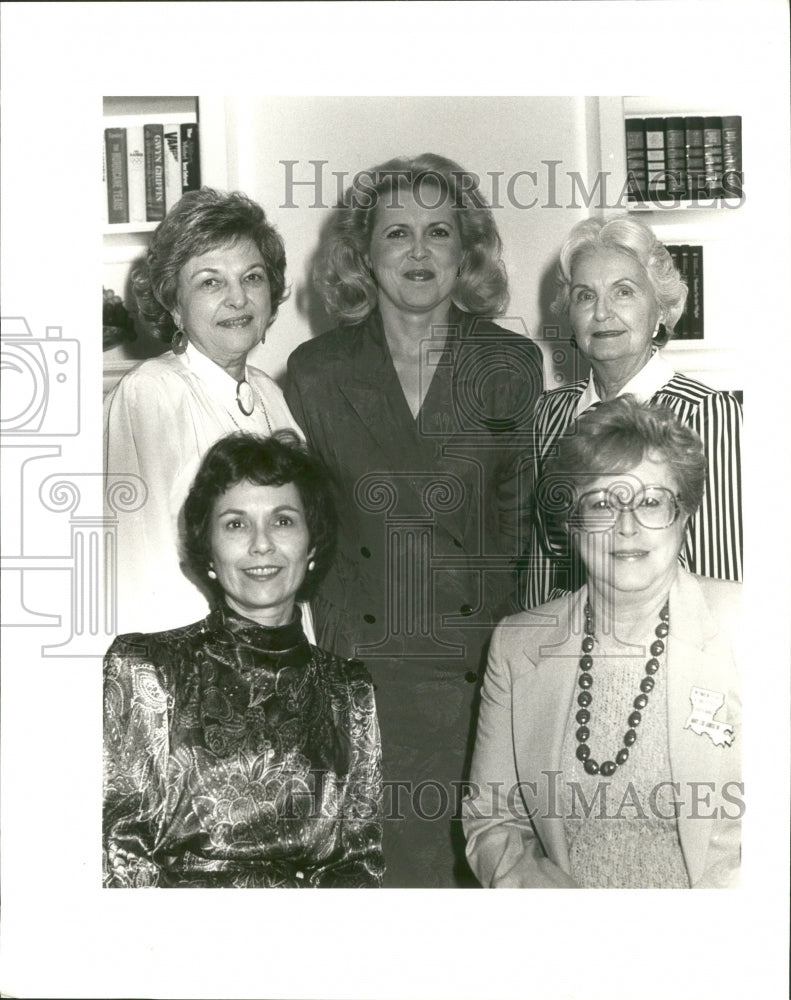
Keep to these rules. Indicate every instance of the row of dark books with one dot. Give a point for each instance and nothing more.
(689, 262)
(148, 166)
(691, 157)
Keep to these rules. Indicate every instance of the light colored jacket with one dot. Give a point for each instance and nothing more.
(515, 833)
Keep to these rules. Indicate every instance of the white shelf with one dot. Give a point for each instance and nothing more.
(124, 228)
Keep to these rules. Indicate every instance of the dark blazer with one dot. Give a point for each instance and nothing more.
(455, 482)
(519, 840)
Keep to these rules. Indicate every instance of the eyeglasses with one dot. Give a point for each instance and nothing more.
(652, 506)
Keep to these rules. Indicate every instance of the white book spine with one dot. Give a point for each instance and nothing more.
(136, 167)
(172, 164)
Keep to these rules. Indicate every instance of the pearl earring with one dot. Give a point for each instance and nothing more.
(311, 565)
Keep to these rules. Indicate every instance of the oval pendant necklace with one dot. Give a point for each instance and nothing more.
(245, 399)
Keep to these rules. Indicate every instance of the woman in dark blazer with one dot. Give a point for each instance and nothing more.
(422, 410)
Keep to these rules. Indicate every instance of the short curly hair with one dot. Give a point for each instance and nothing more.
(628, 235)
(202, 221)
(342, 275)
(265, 461)
(615, 436)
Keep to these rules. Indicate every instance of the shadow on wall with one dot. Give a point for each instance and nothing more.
(563, 363)
(135, 340)
(307, 300)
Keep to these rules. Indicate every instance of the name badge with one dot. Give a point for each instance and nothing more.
(705, 705)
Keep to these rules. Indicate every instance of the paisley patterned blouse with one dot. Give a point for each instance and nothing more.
(237, 755)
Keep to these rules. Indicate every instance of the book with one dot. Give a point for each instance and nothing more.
(154, 172)
(680, 255)
(695, 298)
(117, 190)
(675, 256)
(190, 157)
(732, 176)
(656, 161)
(172, 153)
(136, 173)
(636, 169)
(696, 163)
(132, 126)
(712, 154)
(675, 156)
(104, 180)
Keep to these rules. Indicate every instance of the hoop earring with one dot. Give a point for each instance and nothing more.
(179, 341)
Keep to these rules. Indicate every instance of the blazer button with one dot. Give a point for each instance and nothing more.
(465, 609)
(370, 619)
(365, 552)
(471, 677)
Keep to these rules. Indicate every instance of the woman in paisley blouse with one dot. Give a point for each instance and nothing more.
(235, 753)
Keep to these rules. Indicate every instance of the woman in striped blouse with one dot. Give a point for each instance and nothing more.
(622, 295)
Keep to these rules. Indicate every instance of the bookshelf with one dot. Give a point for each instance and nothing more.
(719, 224)
(123, 243)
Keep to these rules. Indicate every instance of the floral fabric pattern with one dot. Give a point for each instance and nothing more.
(238, 756)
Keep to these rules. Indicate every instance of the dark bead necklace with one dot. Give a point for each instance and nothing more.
(585, 697)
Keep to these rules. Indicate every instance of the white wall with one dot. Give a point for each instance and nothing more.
(490, 134)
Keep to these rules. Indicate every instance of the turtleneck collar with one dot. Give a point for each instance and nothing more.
(234, 629)
(269, 659)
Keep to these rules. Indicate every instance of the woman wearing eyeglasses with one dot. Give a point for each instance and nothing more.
(608, 744)
(620, 295)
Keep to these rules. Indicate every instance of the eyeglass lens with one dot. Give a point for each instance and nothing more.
(652, 507)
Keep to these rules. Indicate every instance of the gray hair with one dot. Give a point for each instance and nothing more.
(624, 234)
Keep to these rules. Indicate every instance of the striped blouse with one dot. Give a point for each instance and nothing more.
(713, 542)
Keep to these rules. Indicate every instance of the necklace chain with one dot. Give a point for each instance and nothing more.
(585, 696)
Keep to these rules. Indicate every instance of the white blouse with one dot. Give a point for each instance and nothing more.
(159, 422)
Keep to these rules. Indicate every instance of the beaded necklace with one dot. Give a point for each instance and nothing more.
(585, 696)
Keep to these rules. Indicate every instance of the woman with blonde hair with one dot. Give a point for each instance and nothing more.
(422, 408)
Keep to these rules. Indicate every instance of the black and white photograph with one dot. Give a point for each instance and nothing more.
(416, 521)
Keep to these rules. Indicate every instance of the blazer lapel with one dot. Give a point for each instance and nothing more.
(697, 658)
(373, 391)
(542, 701)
